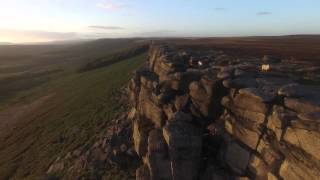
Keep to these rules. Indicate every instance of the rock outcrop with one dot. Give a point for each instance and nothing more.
(207, 115)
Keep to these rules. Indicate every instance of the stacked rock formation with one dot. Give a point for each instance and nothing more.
(207, 115)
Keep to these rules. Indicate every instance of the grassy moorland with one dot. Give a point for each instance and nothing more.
(50, 108)
(303, 48)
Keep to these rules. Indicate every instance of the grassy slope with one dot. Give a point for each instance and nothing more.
(24, 67)
(81, 105)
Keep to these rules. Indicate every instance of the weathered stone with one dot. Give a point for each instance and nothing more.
(258, 94)
(197, 91)
(140, 137)
(258, 167)
(148, 80)
(174, 87)
(245, 135)
(241, 82)
(246, 130)
(151, 111)
(310, 117)
(239, 72)
(144, 93)
(224, 75)
(181, 117)
(269, 155)
(279, 120)
(297, 171)
(228, 68)
(271, 59)
(185, 78)
(181, 134)
(132, 113)
(157, 158)
(301, 105)
(209, 82)
(274, 80)
(242, 178)
(181, 102)
(169, 111)
(180, 81)
(296, 90)
(271, 176)
(237, 158)
(123, 148)
(228, 126)
(165, 97)
(254, 117)
(156, 141)
(185, 144)
(305, 139)
(216, 173)
(252, 104)
(56, 168)
(227, 83)
(202, 96)
(226, 101)
(142, 173)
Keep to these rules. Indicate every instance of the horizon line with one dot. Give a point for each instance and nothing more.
(149, 37)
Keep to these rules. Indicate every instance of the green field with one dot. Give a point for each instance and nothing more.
(60, 111)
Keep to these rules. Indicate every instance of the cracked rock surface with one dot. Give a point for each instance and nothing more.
(207, 115)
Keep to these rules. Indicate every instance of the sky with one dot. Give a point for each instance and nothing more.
(54, 20)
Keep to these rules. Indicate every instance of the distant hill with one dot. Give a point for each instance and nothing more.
(5, 43)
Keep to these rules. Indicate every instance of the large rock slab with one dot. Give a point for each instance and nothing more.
(142, 173)
(252, 116)
(269, 153)
(241, 132)
(301, 105)
(296, 171)
(241, 82)
(157, 158)
(185, 145)
(250, 103)
(180, 81)
(140, 136)
(296, 90)
(258, 167)
(305, 139)
(205, 96)
(259, 94)
(198, 92)
(279, 120)
(237, 158)
(152, 112)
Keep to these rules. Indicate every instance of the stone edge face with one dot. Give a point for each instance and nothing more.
(260, 117)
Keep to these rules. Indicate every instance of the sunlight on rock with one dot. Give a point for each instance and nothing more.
(265, 67)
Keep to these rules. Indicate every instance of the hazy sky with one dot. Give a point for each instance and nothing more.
(47, 20)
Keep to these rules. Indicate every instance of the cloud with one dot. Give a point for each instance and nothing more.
(111, 6)
(106, 27)
(263, 13)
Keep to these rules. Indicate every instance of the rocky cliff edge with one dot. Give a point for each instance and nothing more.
(208, 115)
